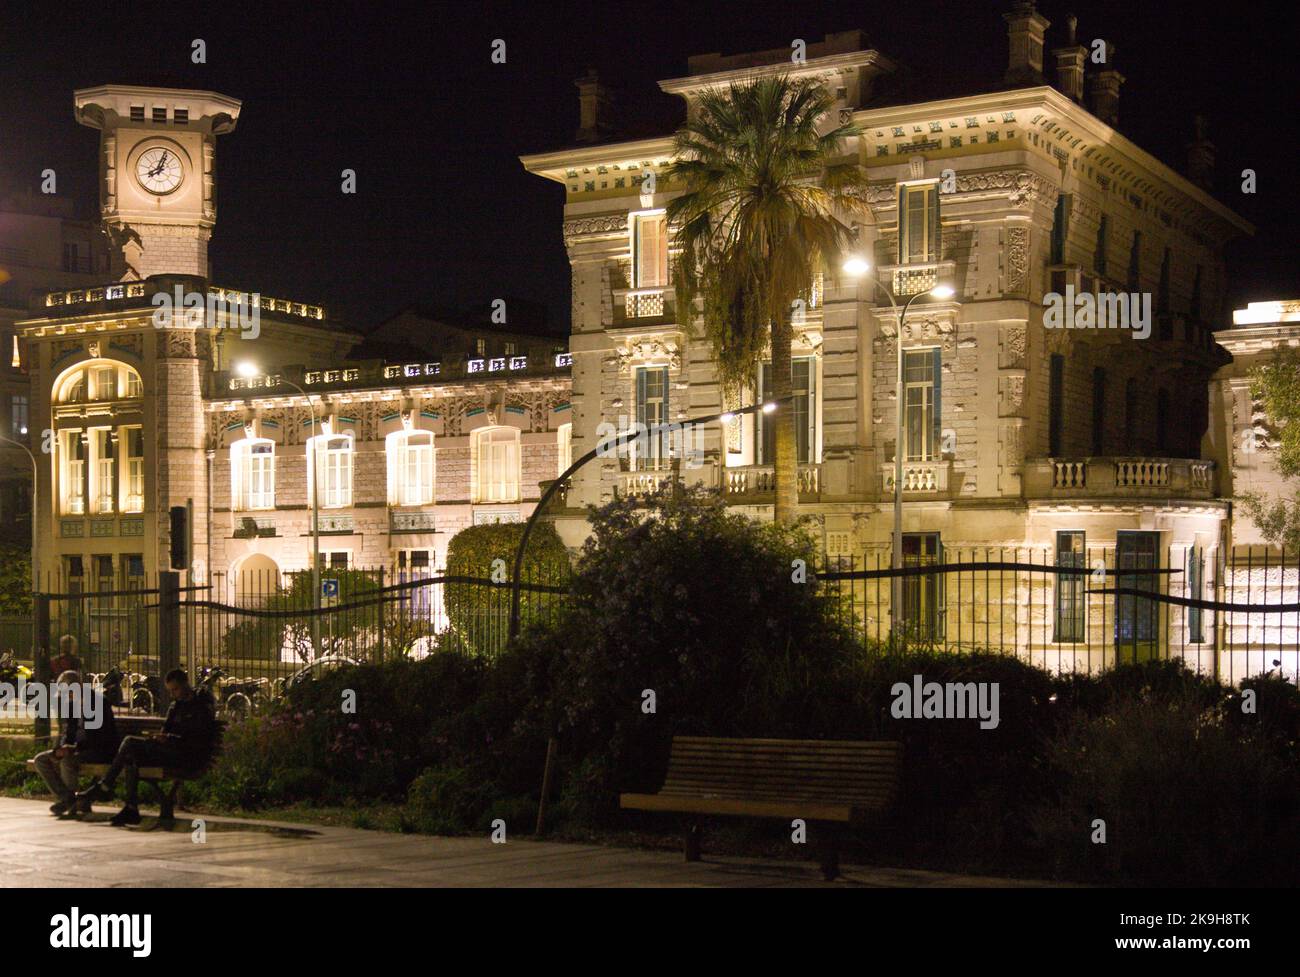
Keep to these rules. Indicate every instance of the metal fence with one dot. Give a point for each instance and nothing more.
(1233, 615)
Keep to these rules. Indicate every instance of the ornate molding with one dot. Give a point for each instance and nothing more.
(638, 351)
(1017, 250)
(583, 226)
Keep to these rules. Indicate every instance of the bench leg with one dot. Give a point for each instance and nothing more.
(830, 854)
(691, 841)
(167, 802)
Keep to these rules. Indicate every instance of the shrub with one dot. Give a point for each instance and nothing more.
(481, 614)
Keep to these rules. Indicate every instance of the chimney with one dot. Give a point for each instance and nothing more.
(594, 108)
(1200, 157)
(1069, 62)
(1103, 89)
(1025, 29)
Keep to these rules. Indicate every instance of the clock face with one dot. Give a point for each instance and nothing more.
(159, 170)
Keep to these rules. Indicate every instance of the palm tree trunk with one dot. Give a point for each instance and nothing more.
(786, 465)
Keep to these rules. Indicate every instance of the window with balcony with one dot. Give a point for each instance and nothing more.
(1070, 552)
(1162, 422)
(803, 387)
(649, 250)
(252, 471)
(134, 501)
(651, 411)
(331, 456)
(918, 223)
(410, 468)
(921, 398)
(495, 461)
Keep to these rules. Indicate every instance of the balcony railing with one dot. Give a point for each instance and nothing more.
(336, 524)
(645, 483)
(632, 305)
(1110, 477)
(911, 279)
(919, 477)
(252, 527)
(760, 480)
(400, 521)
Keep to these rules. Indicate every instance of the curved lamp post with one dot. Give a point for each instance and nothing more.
(604, 448)
(247, 369)
(857, 267)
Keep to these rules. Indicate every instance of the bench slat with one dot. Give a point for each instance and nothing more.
(815, 811)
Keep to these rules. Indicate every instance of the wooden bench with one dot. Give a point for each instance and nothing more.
(827, 782)
(154, 777)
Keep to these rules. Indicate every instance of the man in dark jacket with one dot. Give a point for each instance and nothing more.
(186, 741)
(79, 742)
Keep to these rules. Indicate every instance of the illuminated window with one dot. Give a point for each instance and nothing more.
(410, 468)
(105, 383)
(134, 470)
(922, 414)
(495, 460)
(105, 465)
(332, 455)
(1070, 587)
(72, 475)
(918, 224)
(98, 381)
(651, 412)
(18, 415)
(134, 386)
(564, 439)
(649, 250)
(252, 472)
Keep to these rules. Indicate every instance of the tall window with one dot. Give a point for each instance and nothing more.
(1162, 421)
(1196, 590)
(1130, 414)
(496, 464)
(134, 470)
(253, 473)
(918, 223)
(332, 456)
(1162, 291)
(18, 415)
(1099, 256)
(803, 381)
(651, 410)
(1055, 404)
(923, 594)
(1098, 411)
(649, 250)
(923, 415)
(99, 380)
(1060, 228)
(105, 486)
(1135, 262)
(73, 472)
(1194, 310)
(564, 441)
(1070, 604)
(105, 383)
(410, 468)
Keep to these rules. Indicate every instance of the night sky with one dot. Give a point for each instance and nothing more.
(445, 214)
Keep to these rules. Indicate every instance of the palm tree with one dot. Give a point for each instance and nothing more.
(764, 180)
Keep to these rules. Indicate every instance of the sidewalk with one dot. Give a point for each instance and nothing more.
(36, 850)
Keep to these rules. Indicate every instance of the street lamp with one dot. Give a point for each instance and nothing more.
(855, 267)
(604, 448)
(248, 370)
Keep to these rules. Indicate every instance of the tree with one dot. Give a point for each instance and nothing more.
(764, 181)
(15, 579)
(1276, 388)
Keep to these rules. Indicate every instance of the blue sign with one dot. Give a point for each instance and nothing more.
(329, 587)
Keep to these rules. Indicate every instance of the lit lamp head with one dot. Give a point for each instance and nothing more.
(942, 291)
(769, 407)
(855, 266)
(247, 369)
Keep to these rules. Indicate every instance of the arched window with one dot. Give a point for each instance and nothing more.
(410, 468)
(98, 381)
(495, 461)
(252, 474)
(564, 437)
(331, 457)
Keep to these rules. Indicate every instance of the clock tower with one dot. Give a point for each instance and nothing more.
(157, 173)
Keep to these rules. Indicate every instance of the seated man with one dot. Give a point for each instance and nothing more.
(186, 741)
(78, 744)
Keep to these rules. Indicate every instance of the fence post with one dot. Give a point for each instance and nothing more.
(41, 656)
(379, 644)
(169, 623)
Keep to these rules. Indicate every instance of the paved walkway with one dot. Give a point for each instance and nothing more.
(36, 850)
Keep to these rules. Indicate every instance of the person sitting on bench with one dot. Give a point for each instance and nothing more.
(78, 744)
(185, 742)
